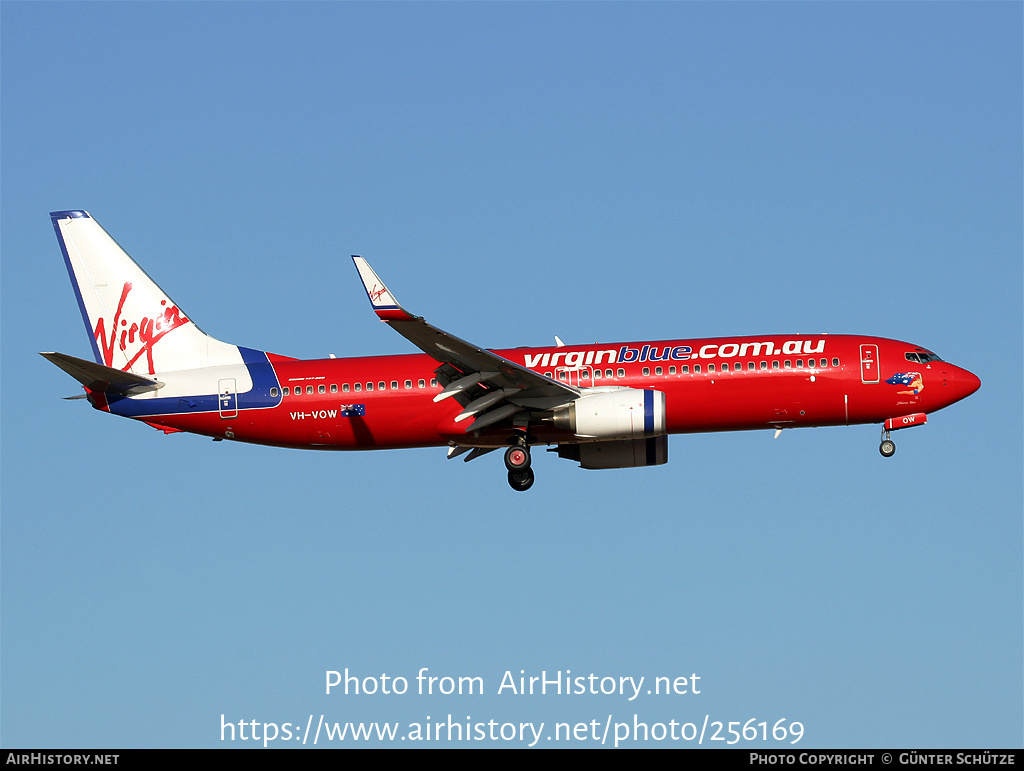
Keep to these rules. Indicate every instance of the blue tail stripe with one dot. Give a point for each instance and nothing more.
(56, 216)
(263, 379)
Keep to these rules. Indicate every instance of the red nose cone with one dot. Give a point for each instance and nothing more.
(964, 383)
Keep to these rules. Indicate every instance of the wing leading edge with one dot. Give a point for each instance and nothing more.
(488, 386)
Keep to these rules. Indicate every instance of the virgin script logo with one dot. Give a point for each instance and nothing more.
(140, 336)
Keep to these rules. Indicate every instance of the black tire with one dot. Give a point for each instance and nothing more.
(887, 448)
(517, 458)
(521, 480)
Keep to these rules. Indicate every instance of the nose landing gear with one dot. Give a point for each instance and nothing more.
(888, 446)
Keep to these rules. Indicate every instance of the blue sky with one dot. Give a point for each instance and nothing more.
(516, 171)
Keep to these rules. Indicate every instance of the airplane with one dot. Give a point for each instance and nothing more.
(602, 405)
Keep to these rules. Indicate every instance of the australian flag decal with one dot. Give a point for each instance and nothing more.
(912, 379)
(902, 378)
(353, 410)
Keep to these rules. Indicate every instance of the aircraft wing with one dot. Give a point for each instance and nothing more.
(507, 387)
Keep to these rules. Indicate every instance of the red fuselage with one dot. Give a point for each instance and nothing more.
(720, 384)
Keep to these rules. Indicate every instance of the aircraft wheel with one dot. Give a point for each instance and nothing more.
(521, 480)
(517, 458)
(887, 448)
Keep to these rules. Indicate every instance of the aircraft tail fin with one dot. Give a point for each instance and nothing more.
(132, 324)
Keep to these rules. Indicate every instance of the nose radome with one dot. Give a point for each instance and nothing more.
(964, 383)
(972, 382)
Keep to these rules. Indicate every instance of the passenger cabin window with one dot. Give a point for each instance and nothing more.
(408, 384)
(835, 362)
(369, 386)
(381, 386)
(321, 389)
(622, 372)
(334, 388)
(273, 391)
(647, 371)
(421, 383)
(344, 387)
(285, 391)
(359, 387)
(309, 390)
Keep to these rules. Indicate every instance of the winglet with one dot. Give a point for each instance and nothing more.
(384, 303)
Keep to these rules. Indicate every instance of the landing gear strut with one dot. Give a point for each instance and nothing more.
(517, 461)
(888, 446)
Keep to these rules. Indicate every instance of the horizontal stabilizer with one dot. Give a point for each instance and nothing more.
(97, 377)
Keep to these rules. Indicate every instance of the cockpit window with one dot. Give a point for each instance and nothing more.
(921, 357)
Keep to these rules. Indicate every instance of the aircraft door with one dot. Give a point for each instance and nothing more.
(869, 363)
(227, 397)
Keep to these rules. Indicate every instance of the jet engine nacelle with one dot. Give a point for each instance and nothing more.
(622, 413)
(619, 453)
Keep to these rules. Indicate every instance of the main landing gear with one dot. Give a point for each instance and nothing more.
(517, 461)
(888, 446)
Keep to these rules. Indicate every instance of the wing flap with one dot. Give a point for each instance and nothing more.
(464, 384)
